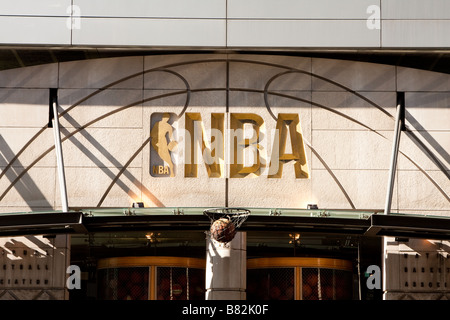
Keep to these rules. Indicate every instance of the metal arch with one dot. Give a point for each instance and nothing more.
(78, 130)
(198, 90)
(288, 70)
(188, 88)
(172, 66)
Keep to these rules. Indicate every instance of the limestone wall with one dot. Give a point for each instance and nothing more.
(345, 112)
(346, 117)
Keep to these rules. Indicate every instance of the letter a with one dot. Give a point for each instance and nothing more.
(289, 124)
(74, 280)
(373, 22)
(374, 279)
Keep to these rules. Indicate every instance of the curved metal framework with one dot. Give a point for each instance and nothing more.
(188, 91)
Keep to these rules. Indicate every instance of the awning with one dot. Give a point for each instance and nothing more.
(409, 226)
(42, 223)
(364, 223)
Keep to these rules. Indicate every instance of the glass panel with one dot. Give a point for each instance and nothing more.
(123, 283)
(175, 283)
(270, 284)
(326, 284)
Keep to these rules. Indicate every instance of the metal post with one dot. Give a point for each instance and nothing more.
(394, 156)
(399, 126)
(59, 158)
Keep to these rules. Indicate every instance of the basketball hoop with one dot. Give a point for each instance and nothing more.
(225, 222)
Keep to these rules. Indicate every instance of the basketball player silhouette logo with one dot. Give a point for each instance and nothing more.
(161, 140)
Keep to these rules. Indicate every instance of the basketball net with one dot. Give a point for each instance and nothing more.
(225, 222)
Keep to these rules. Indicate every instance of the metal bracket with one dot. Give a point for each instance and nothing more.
(275, 212)
(178, 212)
(324, 214)
(129, 212)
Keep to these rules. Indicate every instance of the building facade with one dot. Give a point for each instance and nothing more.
(122, 123)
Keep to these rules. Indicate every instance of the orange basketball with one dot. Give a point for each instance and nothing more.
(313, 280)
(327, 293)
(177, 289)
(136, 276)
(223, 230)
(306, 291)
(275, 293)
(289, 293)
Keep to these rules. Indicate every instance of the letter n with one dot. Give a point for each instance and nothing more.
(197, 138)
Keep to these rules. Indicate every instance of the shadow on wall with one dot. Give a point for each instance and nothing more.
(419, 269)
(431, 141)
(34, 195)
(31, 268)
(24, 185)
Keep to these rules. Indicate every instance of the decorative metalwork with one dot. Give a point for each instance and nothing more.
(188, 91)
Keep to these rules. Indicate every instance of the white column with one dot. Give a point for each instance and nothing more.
(226, 269)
